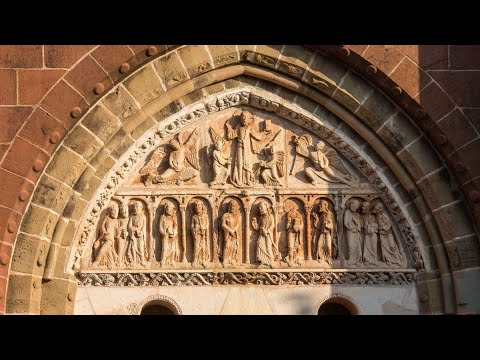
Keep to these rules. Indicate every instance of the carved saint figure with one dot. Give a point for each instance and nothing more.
(221, 164)
(272, 167)
(137, 227)
(122, 234)
(390, 251)
(323, 222)
(104, 246)
(243, 175)
(230, 226)
(370, 230)
(199, 229)
(294, 236)
(327, 165)
(353, 227)
(169, 235)
(182, 160)
(264, 225)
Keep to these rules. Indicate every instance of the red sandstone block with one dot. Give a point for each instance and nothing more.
(428, 57)
(137, 49)
(435, 102)
(384, 57)
(472, 194)
(457, 129)
(3, 150)
(34, 84)
(461, 86)
(474, 116)
(465, 57)
(14, 191)
(8, 88)
(60, 102)
(43, 130)
(21, 56)
(9, 225)
(5, 255)
(410, 77)
(85, 75)
(25, 159)
(11, 119)
(359, 49)
(110, 57)
(142, 51)
(64, 56)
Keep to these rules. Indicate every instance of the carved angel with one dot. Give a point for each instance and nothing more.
(247, 144)
(221, 164)
(328, 165)
(272, 167)
(182, 160)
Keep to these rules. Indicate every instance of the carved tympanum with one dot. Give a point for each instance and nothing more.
(214, 189)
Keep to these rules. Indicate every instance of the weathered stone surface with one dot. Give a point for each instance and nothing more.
(464, 253)
(223, 54)
(454, 221)
(66, 166)
(398, 132)
(196, 59)
(102, 123)
(58, 296)
(120, 103)
(69, 233)
(30, 255)
(322, 66)
(119, 144)
(170, 70)
(438, 189)
(24, 294)
(39, 221)
(467, 286)
(145, 86)
(418, 158)
(143, 127)
(376, 110)
(52, 194)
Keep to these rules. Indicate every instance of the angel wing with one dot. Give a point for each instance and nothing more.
(215, 137)
(280, 161)
(191, 138)
(155, 160)
(303, 143)
(231, 132)
(336, 161)
(192, 157)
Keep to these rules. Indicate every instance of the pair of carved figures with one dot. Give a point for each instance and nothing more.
(168, 228)
(122, 241)
(263, 224)
(375, 228)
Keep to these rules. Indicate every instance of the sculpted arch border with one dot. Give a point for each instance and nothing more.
(292, 73)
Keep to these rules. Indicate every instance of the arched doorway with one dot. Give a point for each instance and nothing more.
(155, 308)
(337, 306)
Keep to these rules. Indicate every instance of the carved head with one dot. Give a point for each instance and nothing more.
(175, 144)
(113, 210)
(354, 205)
(169, 208)
(219, 144)
(365, 207)
(232, 206)
(378, 208)
(124, 210)
(137, 208)
(263, 208)
(320, 146)
(246, 118)
(270, 151)
(198, 207)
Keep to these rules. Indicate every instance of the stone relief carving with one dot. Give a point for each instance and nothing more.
(183, 162)
(199, 229)
(137, 230)
(294, 230)
(104, 247)
(264, 225)
(327, 165)
(390, 251)
(353, 228)
(248, 278)
(259, 154)
(230, 225)
(168, 229)
(325, 246)
(370, 231)
(121, 236)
